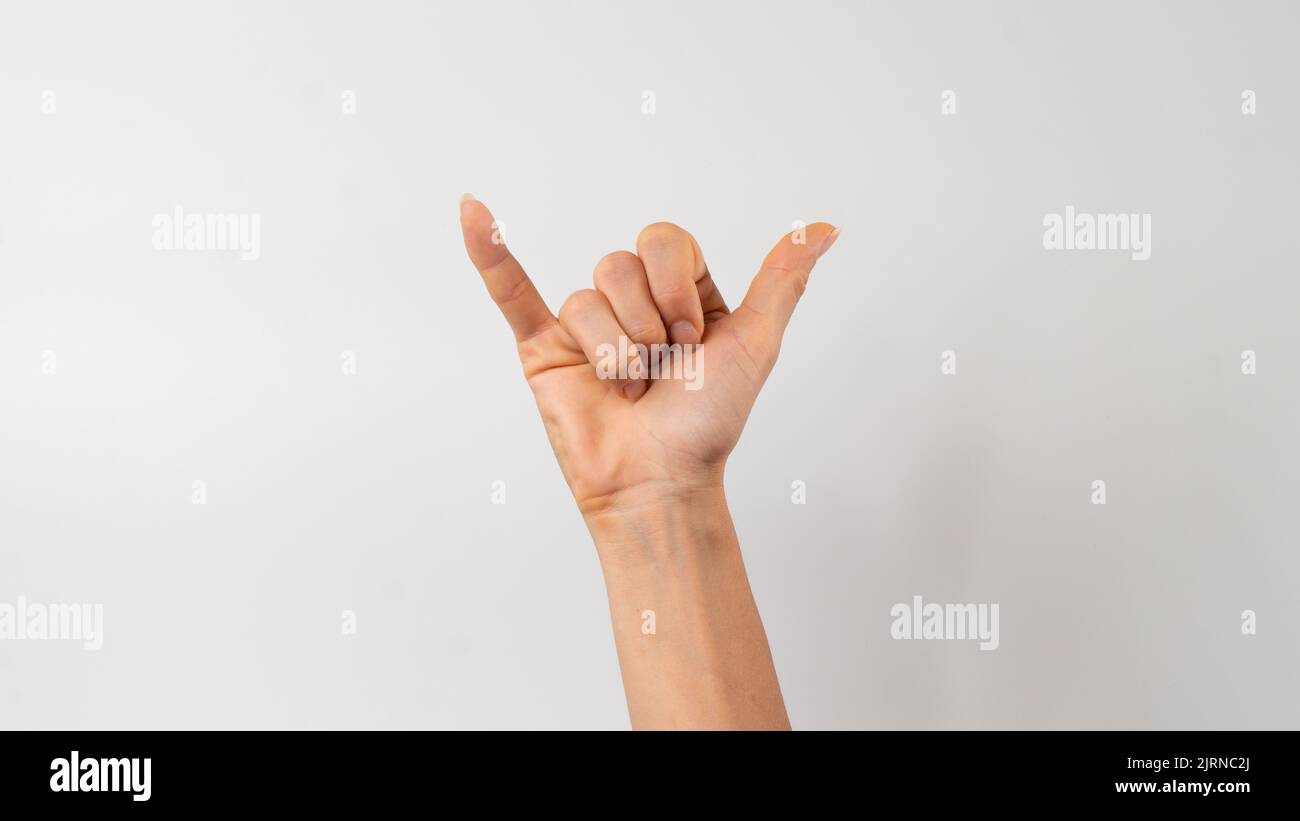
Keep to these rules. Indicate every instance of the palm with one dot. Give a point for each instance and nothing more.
(606, 444)
(613, 435)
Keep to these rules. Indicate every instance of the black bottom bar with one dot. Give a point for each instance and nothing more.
(365, 770)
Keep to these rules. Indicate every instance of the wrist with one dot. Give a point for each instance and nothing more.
(653, 521)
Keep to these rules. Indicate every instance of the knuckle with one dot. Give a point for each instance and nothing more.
(660, 235)
(796, 279)
(616, 268)
(511, 291)
(757, 352)
(649, 332)
(581, 303)
(674, 293)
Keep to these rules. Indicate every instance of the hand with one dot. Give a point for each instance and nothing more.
(623, 440)
(644, 457)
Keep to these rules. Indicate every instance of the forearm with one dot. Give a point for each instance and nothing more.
(674, 564)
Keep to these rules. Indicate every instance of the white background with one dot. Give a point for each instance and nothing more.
(371, 493)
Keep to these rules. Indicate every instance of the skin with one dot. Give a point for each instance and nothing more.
(645, 458)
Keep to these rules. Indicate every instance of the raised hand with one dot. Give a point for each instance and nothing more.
(644, 456)
(622, 439)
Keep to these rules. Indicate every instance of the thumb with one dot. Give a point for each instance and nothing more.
(780, 282)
